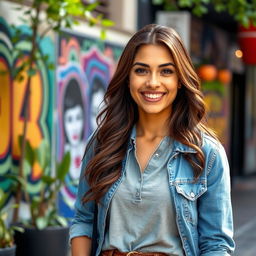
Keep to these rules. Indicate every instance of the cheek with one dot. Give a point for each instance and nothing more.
(133, 93)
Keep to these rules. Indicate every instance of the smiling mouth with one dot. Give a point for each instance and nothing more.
(152, 97)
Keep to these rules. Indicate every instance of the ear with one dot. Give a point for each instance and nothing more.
(179, 85)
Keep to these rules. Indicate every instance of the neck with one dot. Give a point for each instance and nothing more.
(152, 126)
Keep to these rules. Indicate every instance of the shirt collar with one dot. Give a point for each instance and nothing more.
(177, 146)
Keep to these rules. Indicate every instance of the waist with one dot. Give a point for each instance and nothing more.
(132, 253)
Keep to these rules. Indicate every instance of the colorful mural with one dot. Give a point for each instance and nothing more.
(85, 66)
(217, 104)
(12, 95)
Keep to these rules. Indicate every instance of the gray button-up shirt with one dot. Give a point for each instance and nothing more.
(141, 215)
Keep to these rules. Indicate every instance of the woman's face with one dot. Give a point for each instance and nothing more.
(153, 80)
(73, 122)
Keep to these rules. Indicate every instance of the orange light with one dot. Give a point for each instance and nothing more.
(239, 53)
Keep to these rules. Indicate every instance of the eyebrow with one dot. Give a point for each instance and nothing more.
(161, 65)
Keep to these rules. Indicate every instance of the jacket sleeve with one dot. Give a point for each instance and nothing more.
(215, 220)
(82, 223)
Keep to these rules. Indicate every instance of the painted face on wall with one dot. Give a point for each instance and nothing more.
(96, 106)
(73, 121)
(153, 80)
(97, 96)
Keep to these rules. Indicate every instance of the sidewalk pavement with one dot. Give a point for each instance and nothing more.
(244, 211)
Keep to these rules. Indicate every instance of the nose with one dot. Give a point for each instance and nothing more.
(153, 81)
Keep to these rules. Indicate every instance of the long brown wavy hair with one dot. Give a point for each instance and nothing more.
(120, 113)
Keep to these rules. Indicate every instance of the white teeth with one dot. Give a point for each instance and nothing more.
(153, 96)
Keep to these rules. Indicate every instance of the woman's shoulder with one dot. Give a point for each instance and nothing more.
(211, 144)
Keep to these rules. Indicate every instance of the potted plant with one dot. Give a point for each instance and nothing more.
(7, 245)
(46, 232)
(42, 17)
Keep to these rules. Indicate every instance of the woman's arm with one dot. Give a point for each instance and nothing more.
(81, 246)
(215, 222)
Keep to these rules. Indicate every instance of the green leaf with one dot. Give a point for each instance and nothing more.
(16, 178)
(28, 12)
(91, 7)
(43, 154)
(23, 20)
(51, 66)
(20, 78)
(30, 153)
(48, 179)
(103, 34)
(157, 2)
(185, 3)
(31, 72)
(19, 229)
(62, 221)
(3, 197)
(107, 23)
(41, 222)
(3, 72)
(63, 167)
(199, 10)
(220, 7)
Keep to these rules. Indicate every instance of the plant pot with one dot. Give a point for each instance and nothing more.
(52, 241)
(9, 251)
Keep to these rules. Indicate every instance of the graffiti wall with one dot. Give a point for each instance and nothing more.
(217, 104)
(12, 97)
(85, 66)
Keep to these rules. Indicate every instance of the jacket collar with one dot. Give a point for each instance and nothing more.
(182, 148)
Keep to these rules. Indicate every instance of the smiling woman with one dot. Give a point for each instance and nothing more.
(155, 171)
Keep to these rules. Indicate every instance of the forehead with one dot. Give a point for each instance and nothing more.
(153, 53)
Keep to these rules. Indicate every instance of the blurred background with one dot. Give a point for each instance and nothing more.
(74, 58)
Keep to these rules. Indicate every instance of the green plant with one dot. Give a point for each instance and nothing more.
(243, 11)
(6, 230)
(43, 16)
(43, 209)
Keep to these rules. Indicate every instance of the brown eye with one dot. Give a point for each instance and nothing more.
(167, 71)
(140, 71)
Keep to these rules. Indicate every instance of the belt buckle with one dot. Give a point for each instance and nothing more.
(133, 252)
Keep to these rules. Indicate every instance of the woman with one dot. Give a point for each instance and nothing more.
(158, 175)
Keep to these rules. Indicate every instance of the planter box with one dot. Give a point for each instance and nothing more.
(52, 241)
(10, 251)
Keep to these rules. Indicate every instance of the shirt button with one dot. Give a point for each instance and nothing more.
(157, 155)
(192, 194)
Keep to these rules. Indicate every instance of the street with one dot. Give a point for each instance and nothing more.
(244, 210)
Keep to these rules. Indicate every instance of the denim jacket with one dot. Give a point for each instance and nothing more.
(203, 207)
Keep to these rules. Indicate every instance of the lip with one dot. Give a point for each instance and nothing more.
(152, 96)
(75, 137)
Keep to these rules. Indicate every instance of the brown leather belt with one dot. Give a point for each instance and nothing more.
(132, 253)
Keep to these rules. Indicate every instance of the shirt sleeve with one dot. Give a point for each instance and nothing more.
(215, 220)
